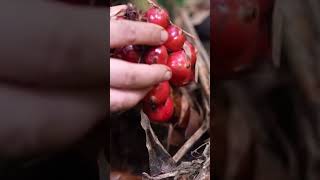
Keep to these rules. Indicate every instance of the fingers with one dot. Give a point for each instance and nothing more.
(125, 99)
(124, 32)
(125, 75)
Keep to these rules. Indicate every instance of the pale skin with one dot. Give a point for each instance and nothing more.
(52, 74)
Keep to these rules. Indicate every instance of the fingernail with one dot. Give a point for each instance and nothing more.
(164, 36)
(167, 75)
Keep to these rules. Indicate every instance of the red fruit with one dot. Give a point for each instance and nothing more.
(129, 53)
(158, 16)
(235, 33)
(160, 113)
(176, 38)
(188, 47)
(181, 68)
(230, 69)
(156, 55)
(158, 95)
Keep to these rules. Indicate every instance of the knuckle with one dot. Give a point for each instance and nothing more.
(133, 78)
(130, 78)
(131, 34)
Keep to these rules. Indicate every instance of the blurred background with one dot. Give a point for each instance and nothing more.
(266, 119)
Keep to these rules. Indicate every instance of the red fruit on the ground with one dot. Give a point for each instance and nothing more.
(157, 16)
(129, 53)
(160, 113)
(176, 38)
(181, 68)
(158, 95)
(156, 55)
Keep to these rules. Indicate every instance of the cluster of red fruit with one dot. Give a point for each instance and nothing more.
(177, 53)
(240, 34)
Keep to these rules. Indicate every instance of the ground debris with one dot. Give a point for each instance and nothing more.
(162, 165)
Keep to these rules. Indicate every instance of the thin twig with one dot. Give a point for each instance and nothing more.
(190, 142)
(190, 28)
(203, 60)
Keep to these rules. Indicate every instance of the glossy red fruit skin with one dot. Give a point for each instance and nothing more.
(176, 38)
(234, 35)
(130, 53)
(161, 113)
(181, 68)
(157, 16)
(158, 95)
(236, 66)
(193, 51)
(156, 55)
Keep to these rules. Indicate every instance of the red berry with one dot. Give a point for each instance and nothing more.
(230, 68)
(129, 53)
(159, 94)
(157, 16)
(181, 68)
(235, 34)
(188, 47)
(156, 55)
(160, 113)
(176, 38)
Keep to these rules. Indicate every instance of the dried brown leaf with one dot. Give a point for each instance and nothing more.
(160, 160)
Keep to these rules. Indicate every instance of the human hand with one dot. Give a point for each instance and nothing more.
(130, 82)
